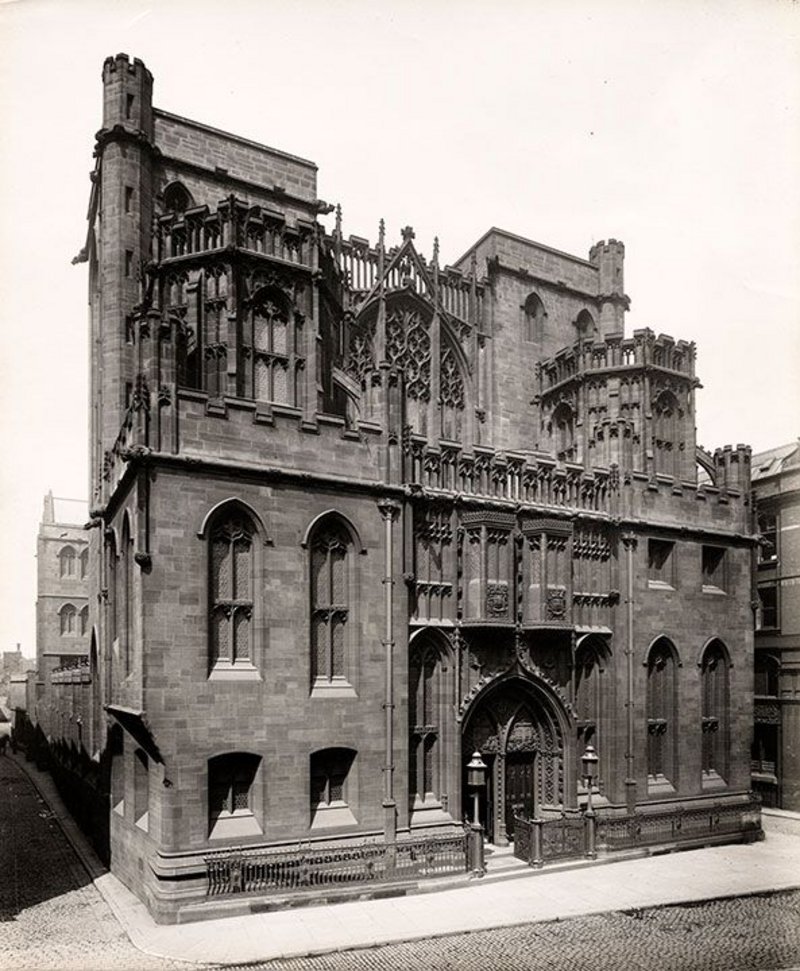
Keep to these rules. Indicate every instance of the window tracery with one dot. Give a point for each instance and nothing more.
(714, 680)
(661, 714)
(231, 591)
(331, 548)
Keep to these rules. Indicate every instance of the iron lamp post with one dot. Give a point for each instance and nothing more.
(476, 780)
(590, 760)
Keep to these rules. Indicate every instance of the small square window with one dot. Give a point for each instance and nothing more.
(661, 563)
(713, 568)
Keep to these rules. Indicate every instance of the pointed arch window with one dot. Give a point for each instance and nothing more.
(331, 566)
(452, 395)
(715, 688)
(584, 325)
(666, 434)
(272, 340)
(66, 562)
(426, 698)
(534, 313)
(83, 561)
(231, 569)
(589, 666)
(124, 597)
(661, 717)
(83, 618)
(563, 432)
(177, 198)
(68, 616)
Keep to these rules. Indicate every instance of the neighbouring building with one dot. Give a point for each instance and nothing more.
(776, 736)
(62, 607)
(357, 514)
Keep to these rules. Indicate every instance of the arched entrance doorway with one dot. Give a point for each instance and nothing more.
(516, 728)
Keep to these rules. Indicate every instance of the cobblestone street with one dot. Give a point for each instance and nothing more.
(757, 933)
(53, 917)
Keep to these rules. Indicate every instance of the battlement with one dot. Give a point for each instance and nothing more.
(606, 248)
(122, 62)
(617, 351)
(732, 467)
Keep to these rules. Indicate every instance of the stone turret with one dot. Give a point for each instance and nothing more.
(609, 258)
(733, 467)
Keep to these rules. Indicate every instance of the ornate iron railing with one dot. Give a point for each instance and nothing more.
(537, 841)
(240, 871)
(644, 829)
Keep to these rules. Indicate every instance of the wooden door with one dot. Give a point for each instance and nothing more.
(520, 787)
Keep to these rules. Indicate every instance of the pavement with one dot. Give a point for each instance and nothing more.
(537, 897)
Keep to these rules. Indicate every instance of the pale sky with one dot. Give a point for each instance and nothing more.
(673, 126)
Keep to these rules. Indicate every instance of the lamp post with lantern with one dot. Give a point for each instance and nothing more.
(476, 780)
(590, 760)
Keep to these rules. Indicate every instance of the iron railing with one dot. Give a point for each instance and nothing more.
(537, 841)
(681, 824)
(241, 871)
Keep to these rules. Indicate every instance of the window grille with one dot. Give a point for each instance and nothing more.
(330, 611)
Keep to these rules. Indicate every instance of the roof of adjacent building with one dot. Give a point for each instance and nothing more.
(775, 460)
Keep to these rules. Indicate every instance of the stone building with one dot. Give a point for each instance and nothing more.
(62, 604)
(776, 739)
(358, 514)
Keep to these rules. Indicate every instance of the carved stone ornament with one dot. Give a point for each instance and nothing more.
(496, 600)
(556, 604)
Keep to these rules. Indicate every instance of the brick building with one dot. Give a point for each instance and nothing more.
(776, 741)
(359, 514)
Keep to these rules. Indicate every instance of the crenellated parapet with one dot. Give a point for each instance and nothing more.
(621, 400)
(732, 465)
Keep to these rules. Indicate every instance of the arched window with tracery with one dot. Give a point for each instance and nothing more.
(272, 340)
(408, 349)
(588, 674)
(66, 561)
(715, 729)
(662, 728)
(68, 617)
(534, 318)
(563, 432)
(331, 565)
(177, 198)
(452, 395)
(231, 576)
(666, 434)
(426, 702)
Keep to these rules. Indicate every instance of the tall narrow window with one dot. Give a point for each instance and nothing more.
(714, 568)
(84, 621)
(563, 432)
(425, 700)
(84, 563)
(667, 416)
(767, 669)
(768, 597)
(661, 717)
(231, 591)
(768, 527)
(534, 314)
(124, 578)
(68, 616)
(660, 563)
(66, 562)
(330, 601)
(714, 678)
(141, 789)
(272, 341)
(588, 692)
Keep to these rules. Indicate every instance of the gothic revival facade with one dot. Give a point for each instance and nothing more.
(358, 514)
